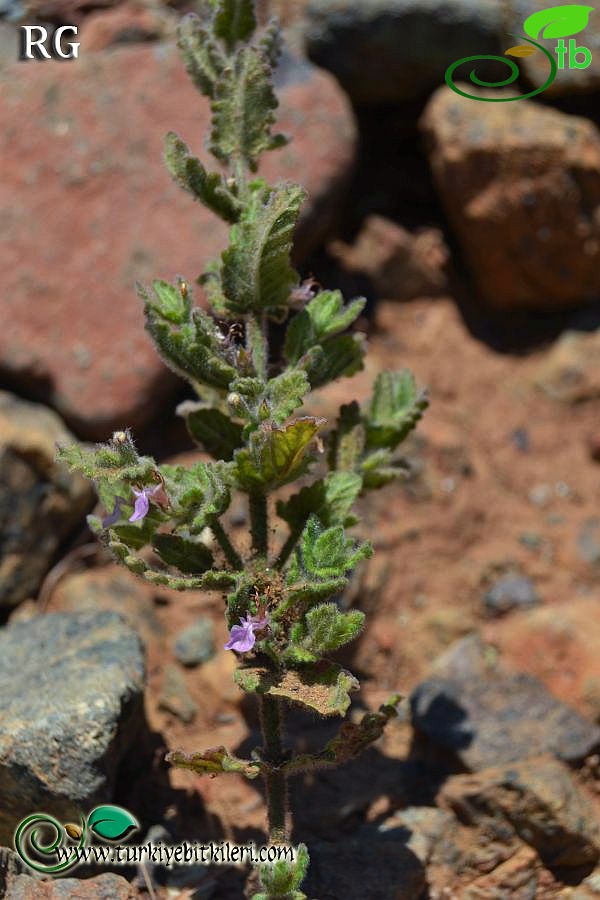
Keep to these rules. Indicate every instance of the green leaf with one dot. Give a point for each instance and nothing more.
(111, 822)
(557, 21)
(286, 392)
(190, 557)
(243, 109)
(330, 499)
(234, 21)
(202, 57)
(190, 174)
(323, 317)
(396, 408)
(275, 455)
(323, 687)
(213, 430)
(193, 348)
(280, 879)
(215, 761)
(329, 629)
(198, 494)
(169, 302)
(327, 553)
(270, 42)
(256, 273)
(337, 357)
(111, 463)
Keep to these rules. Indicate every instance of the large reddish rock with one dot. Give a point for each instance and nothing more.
(88, 209)
(521, 187)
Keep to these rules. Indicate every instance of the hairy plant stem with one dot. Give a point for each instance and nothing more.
(271, 718)
(259, 523)
(231, 555)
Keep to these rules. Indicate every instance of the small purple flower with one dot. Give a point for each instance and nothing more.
(142, 504)
(242, 637)
(115, 515)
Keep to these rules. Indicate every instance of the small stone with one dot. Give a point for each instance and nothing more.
(196, 644)
(510, 592)
(588, 541)
(570, 371)
(506, 170)
(343, 869)
(540, 800)
(485, 714)
(426, 826)
(517, 878)
(71, 707)
(175, 698)
(41, 502)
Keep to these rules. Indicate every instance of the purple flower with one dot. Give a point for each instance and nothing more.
(142, 504)
(115, 515)
(242, 637)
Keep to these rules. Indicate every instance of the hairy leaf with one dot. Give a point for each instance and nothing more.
(198, 494)
(324, 629)
(323, 687)
(326, 553)
(215, 761)
(322, 318)
(396, 408)
(113, 462)
(347, 442)
(286, 393)
(274, 455)
(202, 56)
(190, 174)
(256, 274)
(243, 109)
(282, 878)
(339, 356)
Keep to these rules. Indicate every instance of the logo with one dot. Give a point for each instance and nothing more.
(555, 22)
(34, 38)
(41, 836)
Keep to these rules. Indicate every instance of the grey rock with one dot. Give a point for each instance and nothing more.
(196, 644)
(71, 705)
(540, 800)
(510, 592)
(353, 869)
(487, 715)
(422, 826)
(388, 51)
(40, 501)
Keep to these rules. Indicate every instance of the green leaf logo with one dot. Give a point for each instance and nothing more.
(558, 21)
(111, 822)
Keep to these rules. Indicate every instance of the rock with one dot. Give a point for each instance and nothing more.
(175, 698)
(516, 878)
(390, 51)
(400, 265)
(540, 800)
(41, 503)
(589, 889)
(76, 246)
(108, 588)
(521, 187)
(486, 714)
(535, 68)
(570, 371)
(424, 826)
(125, 24)
(70, 708)
(588, 541)
(510, 592)
(341, 870)
(196, 644)
(107, 886)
